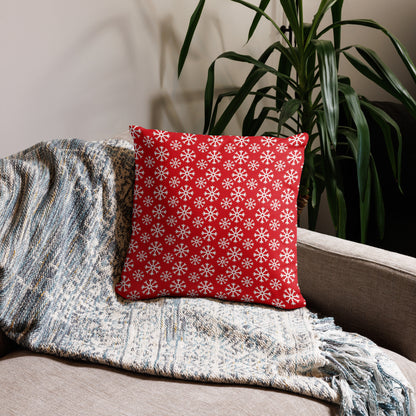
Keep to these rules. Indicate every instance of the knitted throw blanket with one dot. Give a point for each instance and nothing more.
(65, 211)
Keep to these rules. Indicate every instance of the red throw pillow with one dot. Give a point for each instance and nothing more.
(214, 216)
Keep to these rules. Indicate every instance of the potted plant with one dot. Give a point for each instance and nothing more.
(305, 92)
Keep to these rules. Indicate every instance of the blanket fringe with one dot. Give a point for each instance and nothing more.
(367, 382)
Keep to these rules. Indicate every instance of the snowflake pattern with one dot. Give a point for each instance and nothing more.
(214, 216)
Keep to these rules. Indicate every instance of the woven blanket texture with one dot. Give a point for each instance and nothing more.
(65, 223)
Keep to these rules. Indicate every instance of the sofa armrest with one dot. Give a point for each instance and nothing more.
(367, 290)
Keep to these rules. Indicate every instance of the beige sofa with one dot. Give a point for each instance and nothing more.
(367, 290)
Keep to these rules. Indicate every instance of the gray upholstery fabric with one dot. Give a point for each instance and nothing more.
(41, 385)
(34, 384)
(366, 290)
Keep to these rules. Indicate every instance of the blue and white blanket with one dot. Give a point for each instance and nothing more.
(65, 211)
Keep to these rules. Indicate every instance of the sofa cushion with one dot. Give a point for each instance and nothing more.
(214, 216)
(41, 385)
(35, 384)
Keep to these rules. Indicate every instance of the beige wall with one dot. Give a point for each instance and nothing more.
(88, 68)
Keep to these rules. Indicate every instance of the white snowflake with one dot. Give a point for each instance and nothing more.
(225, 223)
(208, 252)
(281, 147)
(247, 263)
(237, 214)
(171, 220)
(261, 274)
(241, 157)
(264, 195)
(194, 277)
(291, 296)
(261, 254)
(138, 192)
(275, 284)
(209, 233)
(203, 147)
(175, 163)
(185, 192)
(277, 185)
(248, 244)
(161, 153)
(178, 286)
(233, 290)
(152, 267)
(144, 237)
(195, 259)
(187, 173)
(288, 196)
(269, 141)
(262, 235)
(170, 239)
(213, 174)
(183, 232)
(297, 139)
(139, 173)
(234, 254)
(155, 248)
(288, 275)
(267, 157)
(210, 213)
(149, 162)
(166, 276)
(149, 182)
(223, 243)
(262, 215)
(141, 256)
(254, 147)
(215, 141)
(189, 139)
(250, 203)
(247, 298)
(287, 255)
(287, 216)
(249, 224)
(135, 228)
(200, 183)
(157, 230)
(239, 175)
(160, 192)
(149, 286)
(181, 250)
(199, 202)
(124, 284)
(206, 270)
(212, 193)
(159, 211)
(198, 222)
(227, 183)
(221, 279)
(201, 164)
(226, 203)
(161, 136)
(241, 141)
(174, 182)
(179, 268)
(168, 258)
(274, 224)
(133, 246)
(235, 234)
(252, 184)
(133, 295)
(247, 281)
(176, 145)
(222, 261)
(294, 157)
(233, 272)
(228, 165)
(266, 175)
(253, 165)
(214, 157)
(238, 194)
(287, 236)
(205, 287)
(184, 212)
(280, 165)
(148, 141)
(196, 241)
(262, 293)
(291, 176)
(275, 205)
(229, 148)
(274, 264)
(188, 155)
